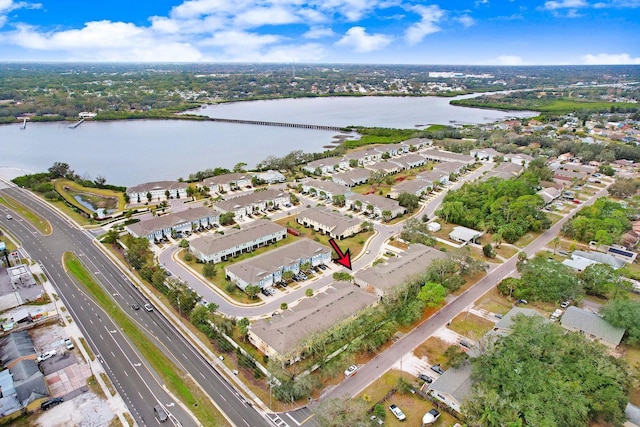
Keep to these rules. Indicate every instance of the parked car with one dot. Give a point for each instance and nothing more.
(51, 403)
(322, 267)
(523, 301)
(563, 253)
(265, 292)
(430, 417)
(351, 370)
(437, 369)
(148, 307)
(498, 315)
(69, 344)
(376, 420)
(46, 355)
(465, 343)
(565, 304)
(397, 412)
(426, 378)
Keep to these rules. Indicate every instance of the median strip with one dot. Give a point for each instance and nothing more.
(40, 223)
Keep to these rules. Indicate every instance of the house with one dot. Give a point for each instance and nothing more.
(374, 204)
(505, 325)
(622, 253)
(15, 347)
(217, 248)
(419, 187)
(446, 156)
(29, 384)
(158, 191)
(464, 234)
(417, 143)
(325, 190)
(392, 150)
(578, 263)
(330, 222)
(352, 177)
(549, 194)
(592, 326)
(254, 203)
(362, 157)
(518, 159)
(381, 279)
(165, 225)
(409, 161)
(600, 257)
(326, 166)
(434, 227)
(452, 387)
(282, 336)
(266, 269)
(450, 167)
(270, 177)
(386, 167)
(434, 176)
(227, 182)
(565, 176)
(485, 154)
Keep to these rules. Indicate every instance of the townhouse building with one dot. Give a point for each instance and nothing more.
(228, 182)
(326, 166)
(352, 177)
(253, 203)
(409, 161)
(324, 189)
(217, 248)
(158, 190)
(485, 154)
(165, 225)
(418, 187)
(447, 156)
(330, 222)
(374, 204)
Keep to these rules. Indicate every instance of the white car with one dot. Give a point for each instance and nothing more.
(69, 344)
(46, 355)
(350, 370)
(397, 412)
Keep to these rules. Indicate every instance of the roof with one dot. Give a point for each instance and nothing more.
(464, 234)
(448, 167)
(28, 381)
(600, 258)
(286, 332)
(329, 161)
(578, 263)
(144, 228)
(507, 320)
(591, 323)
(327, 186)
(407, 160)
(254, 269)
(354, 175)
(329, 218)
(455, 382)
(157, 185)
(256, 197)
(432, 175)
(448, 156)
(211, 244)
(509, 167)
(396, 270)
(384, 166)
(411, 186)
(549, 194)
(226, 179)
(382, 203)
(14, 346)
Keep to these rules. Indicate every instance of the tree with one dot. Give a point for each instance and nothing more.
(252, 291)
(340, 412)
(243, 327)
(305, 266)
(599, 279)
(287, 275)
(227, 218)
(190, 191)
(100, 181)
(111, 237)
(137, 252)
(624, 314)
(209, 270)
(432, 294)
(556, 242)
(284, 306)
(548, 280)
(624, 187)
(167, 194)
(158, 278)
(607, 170)
(455, 357)
(497, 239)
(60, 170)
(541, 375)
(338, 200)
(308, 292)
(488, 251)
(409, 201)
(149, 196)
(239, 167)
(386, 214)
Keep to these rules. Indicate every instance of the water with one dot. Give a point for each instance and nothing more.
(136, 151)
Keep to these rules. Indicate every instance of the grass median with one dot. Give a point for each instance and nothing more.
(176, 381)
(40, 223)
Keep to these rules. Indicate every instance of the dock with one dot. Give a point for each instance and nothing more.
(76, 124)
(280, 124)
(24, 124)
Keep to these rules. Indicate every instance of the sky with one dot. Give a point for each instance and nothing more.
(480, 32)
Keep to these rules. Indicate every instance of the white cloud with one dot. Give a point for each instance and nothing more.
(610, 59)
(260, 16)
(353, 10)
(466, 20)
(429, 17)
(318, 33)
(507, 60)
(564, 4)
(357, 39)
(7, 6)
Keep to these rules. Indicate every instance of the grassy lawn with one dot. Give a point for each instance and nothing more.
(413, 405)
(494, 302)
(8, 240)
(632, 356)
(470, 325)
(505, 251)
(40, 223)
(98, 197)
(353, 243)
(180, 384)
(433, 349)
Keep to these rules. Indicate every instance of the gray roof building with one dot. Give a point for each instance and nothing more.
(330, 188)
(330, 222)
(16, 346)
(282, 336)
(382, 278)
(155, 186)
(449, 167)
(453, 387)
(252, 199)
(601, 258)
(506, 323)
(592, 326)
(352, 177)
(174, 220)
(28, 382)
(447, 156)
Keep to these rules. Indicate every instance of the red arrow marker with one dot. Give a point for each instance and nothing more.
(343, 258)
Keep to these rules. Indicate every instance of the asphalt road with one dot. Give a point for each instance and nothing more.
(384, 361)
(139, 385)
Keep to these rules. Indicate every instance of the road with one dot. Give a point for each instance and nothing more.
(384, 361)
(139, 385)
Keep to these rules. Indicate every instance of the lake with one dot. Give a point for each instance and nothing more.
(136, 151)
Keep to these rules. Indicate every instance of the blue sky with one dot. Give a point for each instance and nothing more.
(482, 32)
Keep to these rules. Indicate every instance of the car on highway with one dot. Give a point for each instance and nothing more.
(437, 369)
(69, 344)
(9, 216)
(160, 413)
(46, 355)
(135, 306)
(148, 307)
(351, 370)
(397, 412)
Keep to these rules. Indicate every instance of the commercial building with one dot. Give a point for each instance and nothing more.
(216, 248)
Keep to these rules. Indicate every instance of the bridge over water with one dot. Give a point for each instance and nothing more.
(281, 124)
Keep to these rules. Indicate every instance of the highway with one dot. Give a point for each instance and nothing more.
(138, 384)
